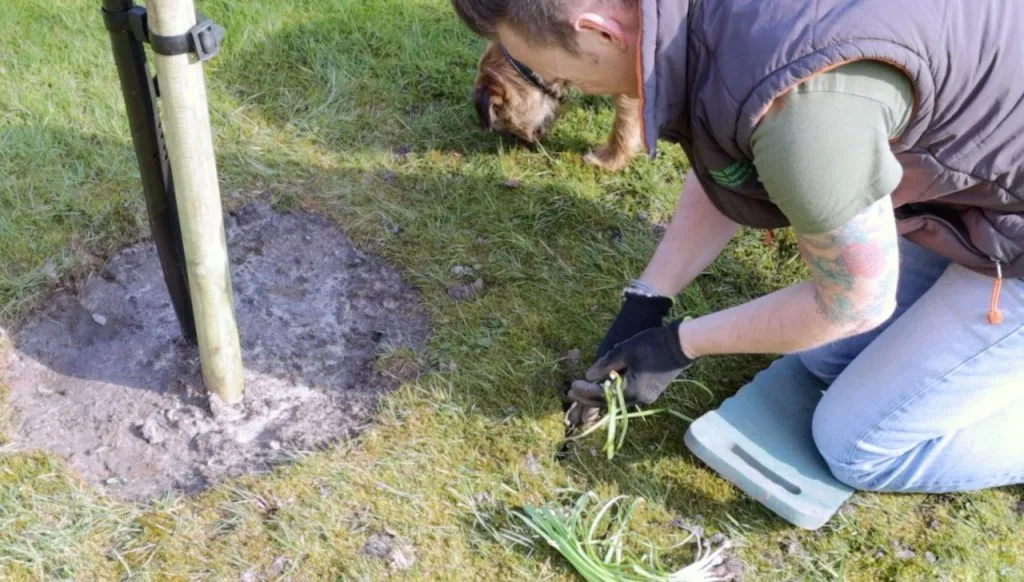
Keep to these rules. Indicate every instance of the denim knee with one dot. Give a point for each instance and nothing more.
(854, 465)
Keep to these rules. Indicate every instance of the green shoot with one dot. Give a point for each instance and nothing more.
(592, 537)
(615, 421)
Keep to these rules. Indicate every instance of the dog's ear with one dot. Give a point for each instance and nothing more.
(482, 100)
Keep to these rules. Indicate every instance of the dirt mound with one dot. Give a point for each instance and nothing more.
(103, 378)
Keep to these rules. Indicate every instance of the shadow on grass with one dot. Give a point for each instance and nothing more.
(393, 75)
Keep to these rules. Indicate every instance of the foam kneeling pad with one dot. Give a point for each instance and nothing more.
(760, 440)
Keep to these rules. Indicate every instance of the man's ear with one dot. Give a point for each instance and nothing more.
(609, 28)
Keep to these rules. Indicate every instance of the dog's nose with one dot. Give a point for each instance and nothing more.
(537, 133)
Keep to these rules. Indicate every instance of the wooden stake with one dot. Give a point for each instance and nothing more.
(193, 165)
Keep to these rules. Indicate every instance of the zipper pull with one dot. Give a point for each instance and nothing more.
(995, 317)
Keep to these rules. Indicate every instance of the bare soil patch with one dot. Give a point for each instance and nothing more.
(103, 378)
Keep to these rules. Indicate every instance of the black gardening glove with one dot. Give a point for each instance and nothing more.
(638, 312)
(648, 362)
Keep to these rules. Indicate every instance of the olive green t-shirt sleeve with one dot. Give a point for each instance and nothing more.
(823, 151)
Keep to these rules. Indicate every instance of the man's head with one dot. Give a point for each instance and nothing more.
(589, 43)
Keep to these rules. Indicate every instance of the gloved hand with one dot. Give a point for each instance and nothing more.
(638, 312)
(648, 362)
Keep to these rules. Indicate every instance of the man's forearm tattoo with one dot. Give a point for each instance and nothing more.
(856, 266)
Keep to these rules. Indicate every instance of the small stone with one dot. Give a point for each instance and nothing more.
(249, 575)
(278, 565)
(573, 356)
(151, 431)
(399, 553)
(718, 538)
(731, 569)
(933, 524)
(250, 213)
(50, 270)
(274, 445)
(462, 291)
(684, 525)
(513, 183)
(792, 547)
(460, 270)
(904, 555)
(100, 319)
(532, 466)
(377, 545)
(389, 176)
(113, 481)
(879, 554)
(932, 558)
(402, 557)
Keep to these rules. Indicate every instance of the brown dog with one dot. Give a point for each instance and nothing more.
(511, 98)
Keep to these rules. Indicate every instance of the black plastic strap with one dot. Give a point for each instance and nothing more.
(203, 39)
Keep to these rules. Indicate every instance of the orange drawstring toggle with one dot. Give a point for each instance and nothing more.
(995, 317)
(769, 238)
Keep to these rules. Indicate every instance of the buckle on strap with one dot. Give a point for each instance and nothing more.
(203, 39)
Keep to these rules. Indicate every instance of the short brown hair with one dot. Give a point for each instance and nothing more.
(544, 21)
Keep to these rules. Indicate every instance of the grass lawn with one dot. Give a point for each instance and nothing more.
(359, 110)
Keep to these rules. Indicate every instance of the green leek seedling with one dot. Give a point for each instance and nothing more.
(617, 416)
(592, 536)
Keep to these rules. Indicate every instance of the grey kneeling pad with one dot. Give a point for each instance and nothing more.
(760, 440)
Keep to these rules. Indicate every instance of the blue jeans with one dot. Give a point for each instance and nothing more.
(933, 400)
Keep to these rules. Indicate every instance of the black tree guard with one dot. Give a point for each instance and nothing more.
(127, 26)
